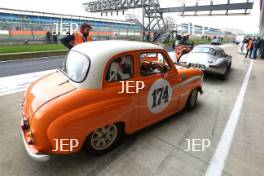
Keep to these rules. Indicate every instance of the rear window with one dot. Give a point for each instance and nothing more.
(204, 50)
(76, 66)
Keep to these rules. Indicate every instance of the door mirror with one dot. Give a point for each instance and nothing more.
(166, 69)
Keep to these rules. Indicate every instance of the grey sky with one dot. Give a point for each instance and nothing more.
(246, 23)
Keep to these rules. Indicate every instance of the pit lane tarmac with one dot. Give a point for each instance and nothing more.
(159, 149)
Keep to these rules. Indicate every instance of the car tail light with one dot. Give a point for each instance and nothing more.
(30, 141)
(29, 136)
(24, 124)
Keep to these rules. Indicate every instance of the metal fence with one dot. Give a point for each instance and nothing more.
(23, 27)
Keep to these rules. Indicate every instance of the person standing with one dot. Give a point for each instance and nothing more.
(262, 48)
(54, 37)
(256, 47)
(249, 47)
(48, 36)
(78, 37)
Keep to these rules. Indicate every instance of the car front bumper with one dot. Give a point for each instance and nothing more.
(32, 152)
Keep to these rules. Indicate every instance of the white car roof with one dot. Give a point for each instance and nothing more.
(100, 52)
(209, 46)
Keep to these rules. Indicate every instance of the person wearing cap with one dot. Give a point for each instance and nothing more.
(78, 37)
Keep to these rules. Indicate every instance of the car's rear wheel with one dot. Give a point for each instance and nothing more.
(192, 100)
(103, 139)
(224, 75)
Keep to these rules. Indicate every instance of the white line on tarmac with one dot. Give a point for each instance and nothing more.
(221, 153)
(37, 58)
(18, 83)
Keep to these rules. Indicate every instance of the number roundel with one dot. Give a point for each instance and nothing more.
(159, 96)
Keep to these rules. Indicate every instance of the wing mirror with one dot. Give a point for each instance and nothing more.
(166, 69)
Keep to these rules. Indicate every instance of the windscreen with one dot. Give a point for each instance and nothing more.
(76, 66)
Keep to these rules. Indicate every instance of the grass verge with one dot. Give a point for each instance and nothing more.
(31, 48)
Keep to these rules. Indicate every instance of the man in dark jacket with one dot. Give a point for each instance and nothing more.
(78, 37)
(262, 48)
(256, 47)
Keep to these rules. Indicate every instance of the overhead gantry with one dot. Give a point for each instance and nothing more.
(153, 13)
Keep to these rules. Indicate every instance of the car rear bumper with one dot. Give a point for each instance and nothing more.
(33, 153)
(216, 70)
(210, 69)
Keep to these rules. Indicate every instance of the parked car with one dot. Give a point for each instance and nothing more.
(216, 41)
(86, 104)
(208, 58)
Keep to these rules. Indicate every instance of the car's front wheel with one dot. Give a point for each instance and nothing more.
(192, 100)
(103, 139)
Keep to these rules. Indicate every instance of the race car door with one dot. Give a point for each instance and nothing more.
(160, 96)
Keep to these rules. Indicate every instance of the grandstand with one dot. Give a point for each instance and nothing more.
(20, 26)
(190, 28)
(32, 27)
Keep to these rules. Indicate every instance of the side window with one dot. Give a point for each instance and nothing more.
(223, 54)
(152, 63)
(213, 52)
(120, 69)
(220, 54)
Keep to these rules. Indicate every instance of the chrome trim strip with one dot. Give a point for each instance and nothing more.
(194, 78)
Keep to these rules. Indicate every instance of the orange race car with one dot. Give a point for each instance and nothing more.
(104, 89)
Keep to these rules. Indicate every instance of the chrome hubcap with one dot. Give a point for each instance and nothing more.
(104, 137)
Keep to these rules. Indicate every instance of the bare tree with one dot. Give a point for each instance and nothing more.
(170, 22)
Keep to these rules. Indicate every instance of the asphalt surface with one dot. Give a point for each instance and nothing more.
(159, 149)
(17, 67)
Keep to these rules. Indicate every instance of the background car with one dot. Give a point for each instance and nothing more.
(216, 41)
(208, 58)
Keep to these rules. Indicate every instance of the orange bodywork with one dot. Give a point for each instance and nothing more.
(182, 49)
(56, 109)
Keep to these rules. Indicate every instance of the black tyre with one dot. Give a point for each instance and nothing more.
(192, 100)
(103, 139)
(224, 76)
(229, 66)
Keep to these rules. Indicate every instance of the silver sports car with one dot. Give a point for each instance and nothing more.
(209, 58)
